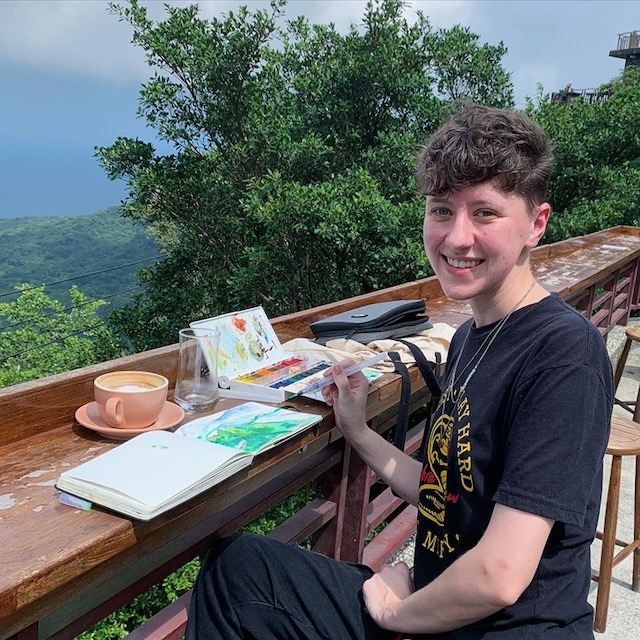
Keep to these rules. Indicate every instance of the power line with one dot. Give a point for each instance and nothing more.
(46, 344)
(86, 275)
(70, 308)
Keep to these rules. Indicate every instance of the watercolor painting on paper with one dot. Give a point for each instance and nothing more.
(247, 341)
(251, 426)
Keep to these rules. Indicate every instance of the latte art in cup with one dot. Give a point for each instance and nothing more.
(132, 387)
(130, 399)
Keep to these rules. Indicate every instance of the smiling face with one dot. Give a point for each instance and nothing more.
(478, 241)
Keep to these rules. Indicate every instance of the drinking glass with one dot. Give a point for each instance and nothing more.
(197, 379)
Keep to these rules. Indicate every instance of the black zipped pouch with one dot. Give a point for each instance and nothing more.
(379, 321)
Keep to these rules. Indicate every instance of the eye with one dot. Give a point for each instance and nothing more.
(486, 213)
(440, 212)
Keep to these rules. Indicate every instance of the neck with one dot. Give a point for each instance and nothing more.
(523, 292)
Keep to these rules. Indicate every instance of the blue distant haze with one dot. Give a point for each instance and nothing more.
(50, 125)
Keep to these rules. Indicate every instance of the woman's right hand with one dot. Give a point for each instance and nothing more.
(348, 397)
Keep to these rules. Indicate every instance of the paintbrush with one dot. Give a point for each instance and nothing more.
(327, 380)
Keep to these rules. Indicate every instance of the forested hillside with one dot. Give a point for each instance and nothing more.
(41, 251)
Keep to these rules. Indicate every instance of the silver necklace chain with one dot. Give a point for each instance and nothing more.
(480, 353)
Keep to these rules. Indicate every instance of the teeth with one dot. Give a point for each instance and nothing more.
(463, 264)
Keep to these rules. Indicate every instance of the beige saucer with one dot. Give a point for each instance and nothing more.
(88, 416)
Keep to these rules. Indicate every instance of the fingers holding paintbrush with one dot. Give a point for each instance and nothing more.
(335, 378)
(347, 394)
(349, 369)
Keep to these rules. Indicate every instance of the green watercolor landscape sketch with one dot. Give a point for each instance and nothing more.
(251, 426)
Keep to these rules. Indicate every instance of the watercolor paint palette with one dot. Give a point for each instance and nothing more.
(252, 365)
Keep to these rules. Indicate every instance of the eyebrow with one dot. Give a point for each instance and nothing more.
(475, 203)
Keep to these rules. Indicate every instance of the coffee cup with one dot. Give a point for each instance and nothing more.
(130, 399)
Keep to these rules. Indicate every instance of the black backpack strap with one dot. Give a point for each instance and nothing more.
(425, 368)
(432, 381)
(431, 407)
(405, 400)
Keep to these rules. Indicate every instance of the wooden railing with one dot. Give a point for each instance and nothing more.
(42, 596)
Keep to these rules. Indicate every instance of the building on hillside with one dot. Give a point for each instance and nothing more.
(590, 96)
(628, 49)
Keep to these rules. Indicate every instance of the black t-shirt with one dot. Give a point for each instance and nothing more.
(529, 432)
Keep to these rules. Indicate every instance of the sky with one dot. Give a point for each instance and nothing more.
(70, 77)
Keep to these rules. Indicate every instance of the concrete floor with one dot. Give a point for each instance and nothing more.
(623, 620)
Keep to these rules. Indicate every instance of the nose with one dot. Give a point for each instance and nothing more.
(460, 234)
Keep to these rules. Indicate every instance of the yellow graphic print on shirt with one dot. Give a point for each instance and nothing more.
(435, 490)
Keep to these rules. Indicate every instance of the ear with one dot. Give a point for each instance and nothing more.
(540, 217)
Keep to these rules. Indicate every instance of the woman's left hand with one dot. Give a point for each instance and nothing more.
(384, 591)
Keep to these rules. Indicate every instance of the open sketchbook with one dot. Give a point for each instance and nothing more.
(252, 364)
(157, 470)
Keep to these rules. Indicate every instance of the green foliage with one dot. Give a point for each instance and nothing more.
(291, 182)
(46, 250)
(311, 243)
(277, 514)
(40, 337)
(468, 71)
(597, 147)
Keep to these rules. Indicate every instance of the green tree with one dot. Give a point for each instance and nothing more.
(291, 182)
(466, 70)
(40, 337)
(597, 148)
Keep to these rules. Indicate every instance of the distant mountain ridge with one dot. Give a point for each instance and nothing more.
(44, 250)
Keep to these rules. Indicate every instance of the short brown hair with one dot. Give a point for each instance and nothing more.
(482, 144)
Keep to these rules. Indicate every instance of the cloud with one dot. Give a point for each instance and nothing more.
(446, 13)
(83, 39)
(68, 38)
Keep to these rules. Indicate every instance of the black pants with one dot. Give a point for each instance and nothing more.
(252, 587)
